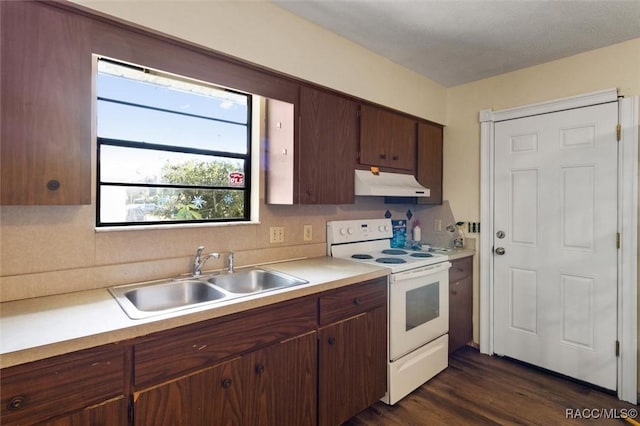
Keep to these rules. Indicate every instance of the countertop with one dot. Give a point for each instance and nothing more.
(460, 253)
(38, 328)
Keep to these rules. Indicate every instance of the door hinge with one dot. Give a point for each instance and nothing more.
(618, 132)
(617, 348)
(617, 240)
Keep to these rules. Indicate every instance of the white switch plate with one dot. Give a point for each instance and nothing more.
(276, 234)
(308, 232)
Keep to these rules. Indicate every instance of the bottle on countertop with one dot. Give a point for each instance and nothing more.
(417, 231)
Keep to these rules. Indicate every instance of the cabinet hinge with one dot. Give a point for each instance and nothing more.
(617, 240)
(617, 348)
(618, 132)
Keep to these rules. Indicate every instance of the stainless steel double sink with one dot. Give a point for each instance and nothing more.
(149, 299)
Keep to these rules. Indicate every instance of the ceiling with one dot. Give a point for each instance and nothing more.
(457, 41)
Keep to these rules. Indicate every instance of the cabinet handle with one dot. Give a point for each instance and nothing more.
(53, 185)
(226, 383)
(383, 156)
(357, 301)
(16, 403)
(454, 292)
(259, 369)
(331, 340)
(395, 158)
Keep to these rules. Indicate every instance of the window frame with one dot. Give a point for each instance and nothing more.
(247, 157)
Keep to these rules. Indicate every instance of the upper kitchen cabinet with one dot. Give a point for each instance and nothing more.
(387, 139)
(429, 164)
(318, 167)
(46, 106)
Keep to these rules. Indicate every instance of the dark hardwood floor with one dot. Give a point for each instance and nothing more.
(478, 389)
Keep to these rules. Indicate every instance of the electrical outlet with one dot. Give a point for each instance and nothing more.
(276, 234)
(308, 232)
(437, 225)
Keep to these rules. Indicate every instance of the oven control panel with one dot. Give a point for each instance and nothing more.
(350, 231)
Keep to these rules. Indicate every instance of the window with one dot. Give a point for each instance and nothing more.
(170, 149)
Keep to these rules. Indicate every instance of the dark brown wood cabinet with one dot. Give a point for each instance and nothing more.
(352, 351)
(212, 396)
(429, 161)
(109, 413)
(256, 367)
(89, 384)
(460, 303)
(327, 148)
(387, 139)
(311, 159)
(45, 137)
(281, 382)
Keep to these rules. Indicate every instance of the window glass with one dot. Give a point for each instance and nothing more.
(170, 150)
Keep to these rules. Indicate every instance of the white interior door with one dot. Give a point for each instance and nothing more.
(555, 286)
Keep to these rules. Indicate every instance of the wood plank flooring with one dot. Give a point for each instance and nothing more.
(478, 389)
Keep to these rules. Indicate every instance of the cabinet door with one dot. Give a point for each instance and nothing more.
(429, 164)
(281, 383)
(327, 148)
(403, 137)
(45, 106)
(460, 313)
(208, 397)
(375, 136)
(387, 139)
(110, 413)
(352, 366)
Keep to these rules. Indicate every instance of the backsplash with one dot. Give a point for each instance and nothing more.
(55, 249)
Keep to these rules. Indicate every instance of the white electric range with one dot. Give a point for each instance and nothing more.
(418, 308)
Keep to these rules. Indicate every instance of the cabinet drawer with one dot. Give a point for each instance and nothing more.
(166, 355)
(43, 389)
(461, 268)
(352, 300)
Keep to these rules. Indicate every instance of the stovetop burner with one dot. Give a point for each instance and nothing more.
(395, 252)
(419, 254)
(362, 256)
(390, 260)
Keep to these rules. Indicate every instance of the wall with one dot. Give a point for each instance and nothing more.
(55, 249)
(614, 66)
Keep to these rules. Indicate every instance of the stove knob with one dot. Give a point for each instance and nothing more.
(383, 228)
(343, 231)
(349, 231)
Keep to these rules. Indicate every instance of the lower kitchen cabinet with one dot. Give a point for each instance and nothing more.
(460, 303)
(280, 383)
(213, 396)
(273, 386)
(67, 389)
(110, 413)
(352, 351)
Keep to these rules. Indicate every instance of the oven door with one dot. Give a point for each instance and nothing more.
(418, 308)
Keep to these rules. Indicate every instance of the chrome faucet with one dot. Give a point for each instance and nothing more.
(199, 260)
(230, 261)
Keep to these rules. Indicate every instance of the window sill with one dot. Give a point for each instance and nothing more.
(173, 226)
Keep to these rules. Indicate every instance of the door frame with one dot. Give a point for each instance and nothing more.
(628, 117)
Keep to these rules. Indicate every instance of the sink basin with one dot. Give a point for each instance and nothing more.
(140, 301)
(149, 299)
(254, 281)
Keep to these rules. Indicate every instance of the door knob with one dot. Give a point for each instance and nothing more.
(500, 251)
(500, 234)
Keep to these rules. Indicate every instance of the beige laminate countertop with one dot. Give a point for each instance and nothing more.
(38, 328)
(460, 253)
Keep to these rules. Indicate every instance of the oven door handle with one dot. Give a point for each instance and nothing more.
(421, 272)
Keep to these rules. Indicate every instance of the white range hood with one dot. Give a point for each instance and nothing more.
(388, 185)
